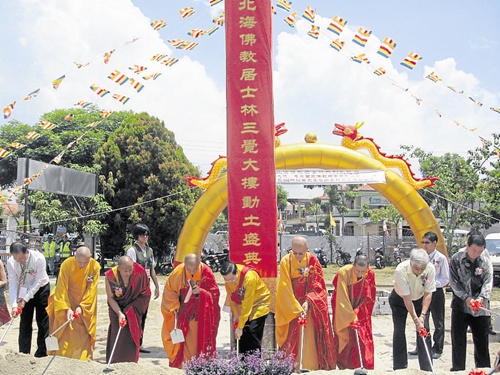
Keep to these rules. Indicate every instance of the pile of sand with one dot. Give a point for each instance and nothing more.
(13, 363)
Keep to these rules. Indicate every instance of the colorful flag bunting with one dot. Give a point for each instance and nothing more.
(32, 94)
(497, 110)
(91, 125)
(137, 68)
(219, 21)
(360, 58)
(83, 104)
(3, 153)
(455, 90)
(7, 111)
(152, 76)
(362, 36)
(314, 32)
(158, 24)
(273, 10)
(158, 57)
(497, 151)
(411, 60)
(196, 33)
(47, 125)
(309, 14)
(32, 135)
(483, 142)
(433, 77)
(380, 71)
(186, 12)
(290, 20)
(285, 5)
(99, 91)
(212, 30)
(387, 47)
(476, 101)
(16, 145)
(105, 114)
(57, 82)
(136, 85)
(169, 62)
(78, 65)
(118, 77)
(121, 98)
(213, 2)
(69, 117)
(107, 56)
(337, 44)
(132, 41)
(337, 25)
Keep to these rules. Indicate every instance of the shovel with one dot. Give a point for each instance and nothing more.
(6, 330)
(428, 355)
(361, 370)
(176, 335)
(302, 336)
(107, 368)
(51, 342)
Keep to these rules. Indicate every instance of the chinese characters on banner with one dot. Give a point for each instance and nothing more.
(250, 133)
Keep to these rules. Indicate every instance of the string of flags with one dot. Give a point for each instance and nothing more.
(336, 27)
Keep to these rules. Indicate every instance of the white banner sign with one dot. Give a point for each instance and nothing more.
(329, 177)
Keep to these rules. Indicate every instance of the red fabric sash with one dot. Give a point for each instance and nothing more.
(134, 301)
(362, 296)
(313, 289)
(205, 309)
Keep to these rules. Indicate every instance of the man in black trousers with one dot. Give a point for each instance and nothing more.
(29, 290)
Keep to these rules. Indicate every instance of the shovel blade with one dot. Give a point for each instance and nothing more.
(177, 336)
(51, 343)
(360, 371)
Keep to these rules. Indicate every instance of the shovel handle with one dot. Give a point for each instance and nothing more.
(61, 327)
(6, 330)
(114, 347)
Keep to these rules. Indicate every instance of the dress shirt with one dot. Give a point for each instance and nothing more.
(464, 273)
(407, 283)
(34, 275)
(440, 262)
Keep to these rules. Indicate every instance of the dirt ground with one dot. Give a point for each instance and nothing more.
(11, 362)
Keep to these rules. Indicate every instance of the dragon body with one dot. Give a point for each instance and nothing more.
(352, 139)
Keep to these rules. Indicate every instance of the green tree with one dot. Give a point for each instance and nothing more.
(143, 169)
(377, 215)
(457, 189)
(282, 197)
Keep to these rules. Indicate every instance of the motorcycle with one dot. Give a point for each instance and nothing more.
(397, 255)
(215, 260)
(342, 258)
(321, 255)
(379, 258)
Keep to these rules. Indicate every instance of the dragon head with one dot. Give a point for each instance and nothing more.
(350, 131)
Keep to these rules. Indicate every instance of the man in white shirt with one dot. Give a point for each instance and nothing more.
(29, 289)
(414, 283)
(440, 262)
(142, 254)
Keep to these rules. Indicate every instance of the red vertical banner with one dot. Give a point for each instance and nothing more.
(250, 135)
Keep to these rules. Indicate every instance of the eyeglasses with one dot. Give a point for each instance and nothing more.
(425, 242)
(144, 235)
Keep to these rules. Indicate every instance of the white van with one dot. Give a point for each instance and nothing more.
(493, 247)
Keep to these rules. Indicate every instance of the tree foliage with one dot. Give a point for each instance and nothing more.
(143, 169)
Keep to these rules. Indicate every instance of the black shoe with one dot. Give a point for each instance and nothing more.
(413, 352)
(40, 355)
(436, 355)
(143, 350)
(492, 333)
(456, 369)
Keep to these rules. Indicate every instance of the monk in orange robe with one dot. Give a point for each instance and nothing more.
(352, 301)
(302, 291)
(191, 296)
(75, 292)
(127, 288)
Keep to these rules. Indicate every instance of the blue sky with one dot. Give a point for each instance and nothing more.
(314, 85)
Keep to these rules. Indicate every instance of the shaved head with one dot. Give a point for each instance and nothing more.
(192, 263)
(299, 248)
(125, 266)
(125, 261)
(82, 256)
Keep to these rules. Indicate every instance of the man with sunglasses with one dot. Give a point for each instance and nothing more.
(436, 309)
(142, 254)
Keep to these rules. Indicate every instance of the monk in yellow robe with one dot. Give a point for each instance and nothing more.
(75, 292)
(191, 296)
(302, 294)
